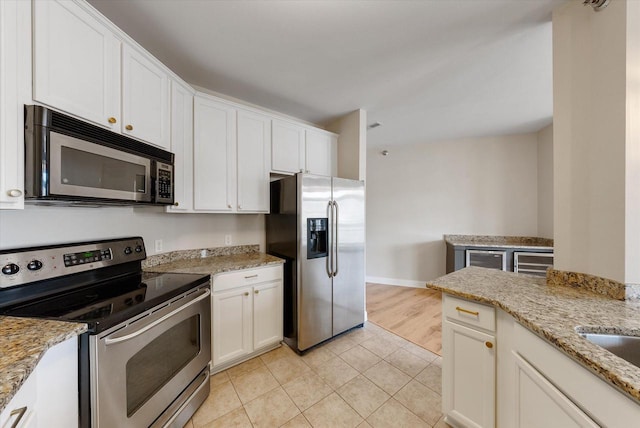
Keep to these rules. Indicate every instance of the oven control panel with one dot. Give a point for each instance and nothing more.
(26, 265)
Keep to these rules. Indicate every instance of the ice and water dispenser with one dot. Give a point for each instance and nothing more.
(317, 238)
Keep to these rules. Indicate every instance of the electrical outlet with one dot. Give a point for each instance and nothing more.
(227, 239)
(158, 245)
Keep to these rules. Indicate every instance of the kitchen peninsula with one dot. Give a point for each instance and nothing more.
(536, 328)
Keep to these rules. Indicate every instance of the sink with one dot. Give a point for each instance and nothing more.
(625, 347)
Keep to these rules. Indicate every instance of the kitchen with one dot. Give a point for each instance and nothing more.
(199, 231)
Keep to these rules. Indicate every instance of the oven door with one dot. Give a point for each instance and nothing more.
(140, 367)
(80, 168)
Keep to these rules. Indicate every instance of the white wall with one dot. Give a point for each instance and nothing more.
(48, 225)
(416, 194)
(545, 182)
(597, 160)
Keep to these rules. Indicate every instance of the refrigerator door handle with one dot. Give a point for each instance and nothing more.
(335, 241)
(329, 259)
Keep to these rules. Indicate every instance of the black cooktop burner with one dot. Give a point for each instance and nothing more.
(105, 304)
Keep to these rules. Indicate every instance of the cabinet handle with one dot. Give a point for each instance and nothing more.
(20, 412)
(489, 344)
(14, 193)
(129, 128)
(466, 311)
(251, 276)
(112, 120)
(257, 291)
(246, 293)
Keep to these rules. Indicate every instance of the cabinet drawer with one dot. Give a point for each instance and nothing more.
(242, 278)
(469, 313)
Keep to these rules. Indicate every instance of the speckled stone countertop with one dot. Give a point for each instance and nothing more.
(499, 241)
(556, 313)
(217, 264)
(23, 342)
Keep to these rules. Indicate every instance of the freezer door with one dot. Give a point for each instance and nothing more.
(348, 263)
(314, 285)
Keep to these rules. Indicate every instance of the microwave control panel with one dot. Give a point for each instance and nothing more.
(164, 183)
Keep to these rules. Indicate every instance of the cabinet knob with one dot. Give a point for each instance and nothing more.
(229, 206)
(175, 204)
(14, 193)
(257, 291)
(239, 207)
(301, 170)
(112, 120)
(129, 128)
(246, 293)
(488, 345)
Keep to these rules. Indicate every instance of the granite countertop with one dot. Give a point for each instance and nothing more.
(23, 342)
(499, 241)
(217, 264)
(554, 312)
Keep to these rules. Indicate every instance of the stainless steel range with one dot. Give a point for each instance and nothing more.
(145, 359)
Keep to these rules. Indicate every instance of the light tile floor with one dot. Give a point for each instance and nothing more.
(368, 377)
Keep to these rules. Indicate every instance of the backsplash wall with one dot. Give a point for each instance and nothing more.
(37, 225)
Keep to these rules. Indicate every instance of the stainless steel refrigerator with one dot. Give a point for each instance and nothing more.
(316, 224)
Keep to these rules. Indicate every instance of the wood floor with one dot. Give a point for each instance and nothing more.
(412, 313)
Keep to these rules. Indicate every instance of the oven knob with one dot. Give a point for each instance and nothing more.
(34, 265)
(10, 269)
(127, 250)
(138, 249)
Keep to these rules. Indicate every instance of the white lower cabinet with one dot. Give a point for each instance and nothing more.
(49, 396)
(246, 314)
(540, 404)
(469, 365)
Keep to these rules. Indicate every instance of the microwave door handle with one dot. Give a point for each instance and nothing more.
(109, 341)
(328, 260)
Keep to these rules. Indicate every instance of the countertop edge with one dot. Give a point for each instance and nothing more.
(15, 373)
(602, 371)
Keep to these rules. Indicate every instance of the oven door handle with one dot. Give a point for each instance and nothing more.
(109, 341)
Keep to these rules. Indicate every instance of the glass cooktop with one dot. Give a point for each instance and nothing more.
(107, 303)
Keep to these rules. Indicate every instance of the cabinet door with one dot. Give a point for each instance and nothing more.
(145, 98)
(287, 147)
(231, 319)
(321, 153)
(182, 146)
(214, 162)
(21, 410)
(540, 404)
(468, 375)
(76, 60)
(254, 149)
(15, 19)
(267, 314)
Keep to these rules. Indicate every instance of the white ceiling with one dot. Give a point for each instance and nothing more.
(428, 70)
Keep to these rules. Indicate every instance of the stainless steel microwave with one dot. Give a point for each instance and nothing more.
(71, 161)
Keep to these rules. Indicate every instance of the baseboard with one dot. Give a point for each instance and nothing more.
(396, 281)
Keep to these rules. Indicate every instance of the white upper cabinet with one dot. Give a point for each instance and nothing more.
(254, 148)
(76, 62)
(297, 148)
(15, 66)
(145, 98)
(214, 155)
(287, 149)
(321, 153)
(85, 66)
(182, 145)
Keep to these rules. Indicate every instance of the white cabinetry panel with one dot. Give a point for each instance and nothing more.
(76, 62)
(321, 153)
(254, 148)
(267, 314)
(145, 98)
(231, 324)
(182, 145)
(288, 147)
(15, 69)
(214, 150)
